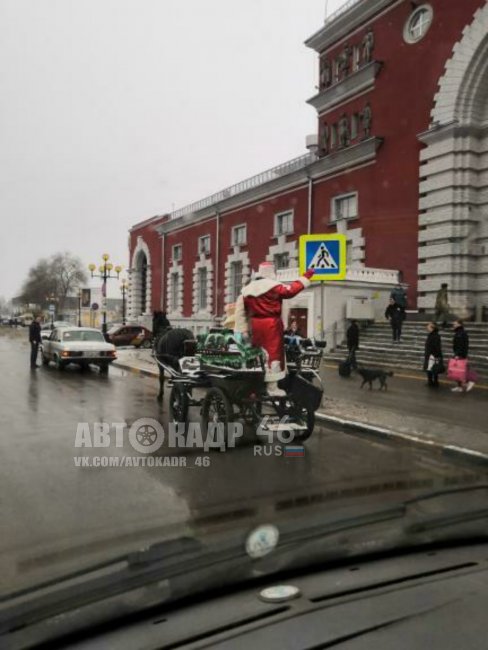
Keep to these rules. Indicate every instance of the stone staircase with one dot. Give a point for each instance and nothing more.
(377, 349)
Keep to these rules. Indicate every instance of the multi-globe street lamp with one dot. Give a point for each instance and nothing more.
(105, 273)
(123, 287)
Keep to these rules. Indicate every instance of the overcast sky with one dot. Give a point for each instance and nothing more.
(116, 110)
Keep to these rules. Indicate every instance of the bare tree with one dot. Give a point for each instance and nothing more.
(67, 273)
(58, 276)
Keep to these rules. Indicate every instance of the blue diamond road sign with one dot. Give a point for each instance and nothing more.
(326, 254)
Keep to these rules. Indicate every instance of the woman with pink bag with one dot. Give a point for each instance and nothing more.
(458, 368)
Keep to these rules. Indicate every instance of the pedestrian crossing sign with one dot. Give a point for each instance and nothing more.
(326, 254)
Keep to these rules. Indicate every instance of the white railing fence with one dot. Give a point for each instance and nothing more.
(254, 181)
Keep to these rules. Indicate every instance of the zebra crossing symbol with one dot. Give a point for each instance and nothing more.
(325, 254)
(322, 259)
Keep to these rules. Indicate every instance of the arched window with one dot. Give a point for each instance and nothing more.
(141, 283)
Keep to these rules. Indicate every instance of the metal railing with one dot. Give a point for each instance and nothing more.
(340, 10)
(353, 274)
(254, 181)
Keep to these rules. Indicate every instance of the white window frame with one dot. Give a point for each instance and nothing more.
(174, 248)
(234, 291)
(202, 288)
(175, 289)
(281, 255)
(201, 240)
(235, 229)
(334, 217)
(408, 36)
(277, 219)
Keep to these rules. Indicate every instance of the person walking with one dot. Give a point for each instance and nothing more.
(395, 313)
(433, 361)
(399, 295)
(35, 340)
(460, 348)
(352, 337)
(442, 305)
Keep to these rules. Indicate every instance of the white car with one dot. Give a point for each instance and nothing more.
(80, 345)
(47, 328)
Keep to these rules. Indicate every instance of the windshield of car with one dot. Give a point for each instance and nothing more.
(265, 263)
(83, 335)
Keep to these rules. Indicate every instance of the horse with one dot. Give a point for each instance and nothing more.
(169, 347)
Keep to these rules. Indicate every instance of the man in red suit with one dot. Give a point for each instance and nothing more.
(258, 314)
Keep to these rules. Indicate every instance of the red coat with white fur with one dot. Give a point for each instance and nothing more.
(258, 312)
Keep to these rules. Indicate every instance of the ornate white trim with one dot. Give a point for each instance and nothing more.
(237, 255)
(462, 87)
(282, 246)
(453, 243)
(203, 263)
(356, 240)
(175, 311)
(134, 307)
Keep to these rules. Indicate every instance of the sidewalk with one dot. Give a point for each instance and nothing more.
(409, 411)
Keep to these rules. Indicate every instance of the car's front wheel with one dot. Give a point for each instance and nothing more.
(60, 364)
(44, 359)
(146, 344)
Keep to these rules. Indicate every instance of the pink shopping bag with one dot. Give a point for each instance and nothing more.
(472, 375)
(457, 369)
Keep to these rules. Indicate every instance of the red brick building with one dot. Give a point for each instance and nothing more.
(400, 166)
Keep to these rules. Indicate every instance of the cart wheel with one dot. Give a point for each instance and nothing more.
(307, 416)
(216, 407)
(178, 404)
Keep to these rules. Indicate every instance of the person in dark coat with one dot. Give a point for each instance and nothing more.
(460, 341)
(293, 329)
(399, 295)
(460, 349)
(432, 355)
(352, 337)
(35, 340)
(395, 313)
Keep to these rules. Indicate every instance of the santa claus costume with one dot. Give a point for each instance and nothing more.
(258, 314)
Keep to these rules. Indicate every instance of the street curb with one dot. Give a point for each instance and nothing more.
(357, 427)
(383, 433)
(143, 372)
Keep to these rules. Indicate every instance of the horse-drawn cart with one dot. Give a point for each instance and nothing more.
(225, 379)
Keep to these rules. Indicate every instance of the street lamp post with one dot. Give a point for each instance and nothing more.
(123, 287)
(79, 307)
(51, 298)
(105, 273)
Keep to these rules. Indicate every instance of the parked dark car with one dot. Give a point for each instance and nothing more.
(136, 335)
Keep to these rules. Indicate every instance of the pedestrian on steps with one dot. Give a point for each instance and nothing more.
(395, 313)
(442, 305)
(399, 295)
(433, 362)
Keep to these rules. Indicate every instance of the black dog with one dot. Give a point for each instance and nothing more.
(369, 375)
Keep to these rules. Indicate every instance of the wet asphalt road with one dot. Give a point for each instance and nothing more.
(56, 516)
